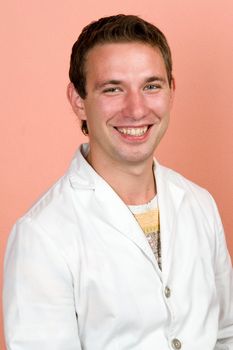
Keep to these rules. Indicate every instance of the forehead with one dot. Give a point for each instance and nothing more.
(124, 58)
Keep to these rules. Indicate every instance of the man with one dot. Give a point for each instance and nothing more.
(121, 253)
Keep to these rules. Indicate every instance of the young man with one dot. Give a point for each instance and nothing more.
(121, 253)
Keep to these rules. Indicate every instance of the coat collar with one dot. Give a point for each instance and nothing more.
(109, 206)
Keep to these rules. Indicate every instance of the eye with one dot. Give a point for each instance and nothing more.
(112, 90)
(152, 87)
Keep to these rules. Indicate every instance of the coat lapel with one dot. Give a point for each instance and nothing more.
(114, 211)
(106, 204)
(170, 197)
(109, 207)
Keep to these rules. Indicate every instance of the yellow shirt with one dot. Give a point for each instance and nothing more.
(147, 215)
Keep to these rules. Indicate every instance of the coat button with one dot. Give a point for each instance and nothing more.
(167, 292)
(176, 344)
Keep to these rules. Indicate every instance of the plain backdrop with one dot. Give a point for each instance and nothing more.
(39, 133)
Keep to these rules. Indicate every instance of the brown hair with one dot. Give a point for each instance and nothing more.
(119, 28)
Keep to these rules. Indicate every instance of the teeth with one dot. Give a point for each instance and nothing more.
(133, 131)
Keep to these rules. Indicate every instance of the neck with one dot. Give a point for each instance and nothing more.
(134, 183)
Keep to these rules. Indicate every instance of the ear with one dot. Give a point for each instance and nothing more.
(173, 88)
(77, 103)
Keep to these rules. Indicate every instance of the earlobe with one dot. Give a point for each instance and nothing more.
(76, 101)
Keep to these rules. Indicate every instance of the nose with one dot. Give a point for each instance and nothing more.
(134, 106)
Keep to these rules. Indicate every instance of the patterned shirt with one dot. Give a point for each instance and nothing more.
(147, 215)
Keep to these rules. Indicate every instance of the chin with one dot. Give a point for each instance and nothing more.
(137, 157)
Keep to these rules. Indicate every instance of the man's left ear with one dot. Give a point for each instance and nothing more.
(173, 84)
(173, 88)
(76, 101)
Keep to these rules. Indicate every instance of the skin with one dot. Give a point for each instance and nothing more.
(127, 93)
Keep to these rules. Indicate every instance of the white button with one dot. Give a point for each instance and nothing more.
(176, 344)
(167, 292)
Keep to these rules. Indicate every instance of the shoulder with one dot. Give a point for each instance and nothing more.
(59, 212)
(195, 195)
(56, 199)
(183, 182)
(44, 221)
(57, 203)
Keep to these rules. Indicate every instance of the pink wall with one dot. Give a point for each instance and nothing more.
(39, 133)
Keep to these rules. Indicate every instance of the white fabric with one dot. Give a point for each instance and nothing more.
(143, 208)
(80, 274)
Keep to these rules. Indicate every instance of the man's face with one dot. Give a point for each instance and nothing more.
(128, 102)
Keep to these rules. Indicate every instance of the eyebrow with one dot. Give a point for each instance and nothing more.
(155, 78)
(102, 84)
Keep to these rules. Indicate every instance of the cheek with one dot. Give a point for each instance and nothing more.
(108, 107)
(160, 106)
(99, 113)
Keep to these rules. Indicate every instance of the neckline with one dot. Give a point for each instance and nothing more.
(140, 208)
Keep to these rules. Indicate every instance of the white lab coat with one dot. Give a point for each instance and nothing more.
(80, 274)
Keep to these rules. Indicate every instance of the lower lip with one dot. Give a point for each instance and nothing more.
(132, 138)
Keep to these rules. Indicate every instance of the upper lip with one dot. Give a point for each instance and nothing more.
(132, 126)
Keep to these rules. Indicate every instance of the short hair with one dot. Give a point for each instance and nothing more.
(114, 29)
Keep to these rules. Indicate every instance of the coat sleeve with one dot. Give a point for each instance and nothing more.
(224, 286)
(38, 297)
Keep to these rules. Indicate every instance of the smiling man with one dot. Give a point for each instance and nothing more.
(126, 108)
(122, 253)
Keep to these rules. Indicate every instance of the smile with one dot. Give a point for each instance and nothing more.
(133, 131)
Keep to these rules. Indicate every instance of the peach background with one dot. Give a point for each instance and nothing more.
(39, 133)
